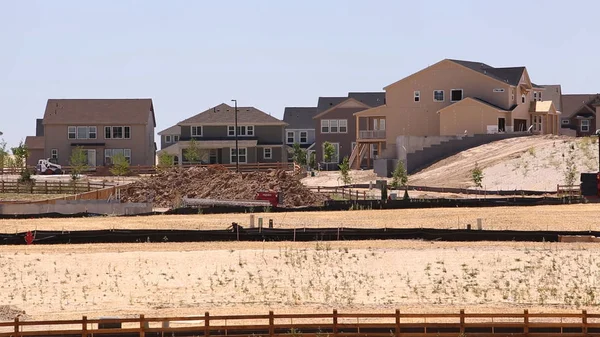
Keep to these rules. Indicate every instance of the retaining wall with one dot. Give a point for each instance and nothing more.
(77, 206)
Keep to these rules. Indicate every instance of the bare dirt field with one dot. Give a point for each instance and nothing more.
(579, 217)
(55, 282)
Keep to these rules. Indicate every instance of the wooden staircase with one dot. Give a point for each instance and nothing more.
(357, 155)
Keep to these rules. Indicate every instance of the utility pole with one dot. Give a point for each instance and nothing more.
(237, 150)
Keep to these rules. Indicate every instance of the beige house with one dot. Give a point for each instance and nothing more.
(454, 98)
(102, 127)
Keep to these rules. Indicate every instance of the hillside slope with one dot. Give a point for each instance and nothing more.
(533, 163)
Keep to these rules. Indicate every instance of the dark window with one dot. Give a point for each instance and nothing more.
(117, 132)
(107, 132)
(127, 132)
(457, 95)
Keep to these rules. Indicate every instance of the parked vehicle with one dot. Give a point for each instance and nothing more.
(45, 166)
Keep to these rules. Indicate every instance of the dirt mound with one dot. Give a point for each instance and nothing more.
(168, 187)
(8, 313)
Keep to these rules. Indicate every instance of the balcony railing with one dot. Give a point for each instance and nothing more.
(371, 134)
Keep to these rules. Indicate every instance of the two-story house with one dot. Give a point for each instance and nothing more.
(300, 128)
(102, 127)
(457, 98)
(260, 136)
(335, 123)
(580, 113)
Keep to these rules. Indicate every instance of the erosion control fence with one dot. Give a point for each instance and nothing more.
(238, 233)
(52, 187)
(334, 324)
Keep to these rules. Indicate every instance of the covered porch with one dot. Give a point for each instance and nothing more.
(370, 139)
(544, 118)
(211, 151)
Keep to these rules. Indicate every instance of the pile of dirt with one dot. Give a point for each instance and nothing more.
(8, 313)
(215, 182)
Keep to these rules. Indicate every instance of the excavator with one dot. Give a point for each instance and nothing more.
(45, 166)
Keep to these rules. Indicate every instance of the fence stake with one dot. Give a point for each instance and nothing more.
(584, 321)
(335, 323)
(206, 324)
(271, 324)
(89, 188)
(84, 326)
(142, 326)
(2, 186)
(526, 321)
(397, 322)
(16, 326)
(462, 321)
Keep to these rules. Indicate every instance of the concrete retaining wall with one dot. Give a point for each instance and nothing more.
(78, 206)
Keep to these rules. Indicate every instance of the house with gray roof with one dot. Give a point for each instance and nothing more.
(300, 127)
(580, 113)
(101, 127)
(260, 136)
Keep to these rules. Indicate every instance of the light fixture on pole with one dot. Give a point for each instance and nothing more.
(237, 150)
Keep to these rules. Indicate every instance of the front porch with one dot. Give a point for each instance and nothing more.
(370, 140)
(543, 118)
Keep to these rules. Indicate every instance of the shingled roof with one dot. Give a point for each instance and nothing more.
(510, 75)
(299, 117)
(99, 111)
(224, 114)
(326, 103)
(34, 142)
(573, 103)
(372, 99)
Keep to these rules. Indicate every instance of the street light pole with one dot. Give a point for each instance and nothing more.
(237, 150)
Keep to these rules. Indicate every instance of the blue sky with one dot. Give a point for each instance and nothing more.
(190, 55)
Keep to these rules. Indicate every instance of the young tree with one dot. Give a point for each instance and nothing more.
(193, 153)
(345, 171)
(477, 175)
(399, 177)
(3, 155)
(78, 162)
(20, 154)
(313, 161)
(165, 161)
(570, 167)
(328, 152)
(299, 154)
(120, 165)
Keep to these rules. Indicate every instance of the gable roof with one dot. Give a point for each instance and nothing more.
(326, 103)
(510, 75)
(34, 143)
(542, 106)
(372, 99)
(224, 114)
(99, 111)
(174, 130)
(476, 100)
(299, 117)
(572, 103)
(347, 100)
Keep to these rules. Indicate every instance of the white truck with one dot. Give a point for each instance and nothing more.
(45, 166)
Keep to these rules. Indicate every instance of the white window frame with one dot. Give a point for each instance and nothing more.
(287, 137)
(125, 132)
(305, 133)
(250, 130)
(523, 98)
(343, 123)
(72, 130)
(270, 153)
(168, 139)
(88, 131)
(109, 153)
(112, 129)
(175, 138)
(461, 95)
(334, 123)
(244, 130)
(417, 96)
(231, 131)
(498, 90)
(540, 96)
(232, 154)
(374, 148)
(54, 154)
(565, 122)
(94, 132)
(325, 126)
(535, 95)
(194, 130)
(438, 91)
(586, 126)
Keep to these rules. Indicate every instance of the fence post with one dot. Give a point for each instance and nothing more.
(142, 326)
(335, 323)
(59, 187)
(2, 186)
(584, 329)
(271, 324)
(17, 187)
(462, 321)
(45, 186)
(397, 322)
(206, 324)
(89, 188)
(526, 321)
(364, 195)
(84, 326)
(16, 326)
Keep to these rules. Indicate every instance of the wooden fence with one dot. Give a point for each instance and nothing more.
(341, 192)
(52, 187)
(329, 324)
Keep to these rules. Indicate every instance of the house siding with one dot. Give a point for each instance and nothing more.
(310, 136)
(344, 139)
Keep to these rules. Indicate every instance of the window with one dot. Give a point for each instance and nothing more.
(456, 95)
(167, 139)
(127, 130)
(107, 133)
(290, 137)
(374, 151)
(324, 126)
(523, 98)
(250, 130)
(438, 95)
(585, 125)
(243, 130)
(196, 131)
(242, 154)
(537, 123)
(535, 95)
(417, 96)
(175, 139)
(117, 132)
(540, 95)
(92, 132)
(565, 122)
(267, 153)
(499, 90)
(352, 146)
(343, 123)
(333, 126)
(72, 132)
(303, 137)
(231, 131)
(109, 153)
(336, 155)
(54, 154)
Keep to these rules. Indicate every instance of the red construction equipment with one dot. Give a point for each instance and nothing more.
(272, 197)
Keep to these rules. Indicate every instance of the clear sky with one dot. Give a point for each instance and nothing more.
(191, 55)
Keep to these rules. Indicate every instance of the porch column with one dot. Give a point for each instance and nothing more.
(357, 129)
(379, 149)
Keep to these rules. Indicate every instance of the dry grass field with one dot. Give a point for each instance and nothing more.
(225, 278)
(580, 217)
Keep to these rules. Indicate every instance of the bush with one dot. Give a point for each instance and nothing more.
(477, 175)
(345, 171)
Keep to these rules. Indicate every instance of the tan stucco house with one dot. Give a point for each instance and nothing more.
(102, 127)
(455, 98)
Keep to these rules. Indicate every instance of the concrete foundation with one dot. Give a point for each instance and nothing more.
(78, 206)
